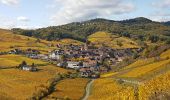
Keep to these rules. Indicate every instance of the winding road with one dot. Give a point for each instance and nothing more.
(88, 90)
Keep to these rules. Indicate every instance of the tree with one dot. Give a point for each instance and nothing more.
(33, 65)
(119, 43)
(37, 41)
(23, 63)
(154, 38)
(125, 34)
(167, 41)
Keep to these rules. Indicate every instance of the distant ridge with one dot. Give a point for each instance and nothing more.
(166, 23)
(137, 20)
(81, 30)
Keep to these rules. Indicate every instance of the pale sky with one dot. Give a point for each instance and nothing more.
(44, 13)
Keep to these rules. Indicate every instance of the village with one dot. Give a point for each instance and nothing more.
(89, 61)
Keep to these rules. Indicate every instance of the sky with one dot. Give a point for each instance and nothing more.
(30, 14)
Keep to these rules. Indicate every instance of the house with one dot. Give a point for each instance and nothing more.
(62, 64)
(43, 56)
(90, 63)
(53, 55)
(74, 65)
(56, 55)
(85, 74)
(28, 68)
(94, 76)
(33, 56)
(15, 51)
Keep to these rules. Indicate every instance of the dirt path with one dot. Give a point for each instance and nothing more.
(88, 87)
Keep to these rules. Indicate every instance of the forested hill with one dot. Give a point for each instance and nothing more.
(139, 28)
(167, 23)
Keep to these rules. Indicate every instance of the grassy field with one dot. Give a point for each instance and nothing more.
(110, 40)
(73, 89)
(14, 60)
(109, 89)
(19, 85)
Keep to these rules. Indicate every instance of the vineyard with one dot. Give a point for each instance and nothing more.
(109, 89)
(140, 62)
(20, 85)
(72, 89)
(139, 71)
(145, 79)
(11, 61)
(110, 40)
(154, 87)
(12, 41)
(165, 54)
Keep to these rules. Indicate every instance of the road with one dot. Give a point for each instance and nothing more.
(88, 88)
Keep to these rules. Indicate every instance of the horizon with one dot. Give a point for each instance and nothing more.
(35, 14)
(85, 21)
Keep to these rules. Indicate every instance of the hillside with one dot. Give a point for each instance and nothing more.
(110, 40)
(145, 79)
(142, 75)
(166, 23)
(137, 28)
(10, 41)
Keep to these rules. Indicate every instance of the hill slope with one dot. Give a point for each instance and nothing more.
(10, 41)
(136, 28)
(113, 41)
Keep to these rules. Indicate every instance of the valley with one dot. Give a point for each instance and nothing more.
(129, 60)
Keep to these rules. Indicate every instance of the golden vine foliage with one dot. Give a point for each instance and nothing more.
(109, 89)
(139, 71)
(160, 83)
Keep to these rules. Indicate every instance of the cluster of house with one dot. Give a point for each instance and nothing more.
(88, 59)
(85, 58)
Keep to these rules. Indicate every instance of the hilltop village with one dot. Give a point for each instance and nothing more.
(87, 59)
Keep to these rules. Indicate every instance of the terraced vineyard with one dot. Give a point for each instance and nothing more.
(142, 80)
(109, 89)
(103, 38)
(140, 62)
(165, 54)
(139, 71)
(14, 60)
(145, 79)
(158, 86)
(12, 41)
